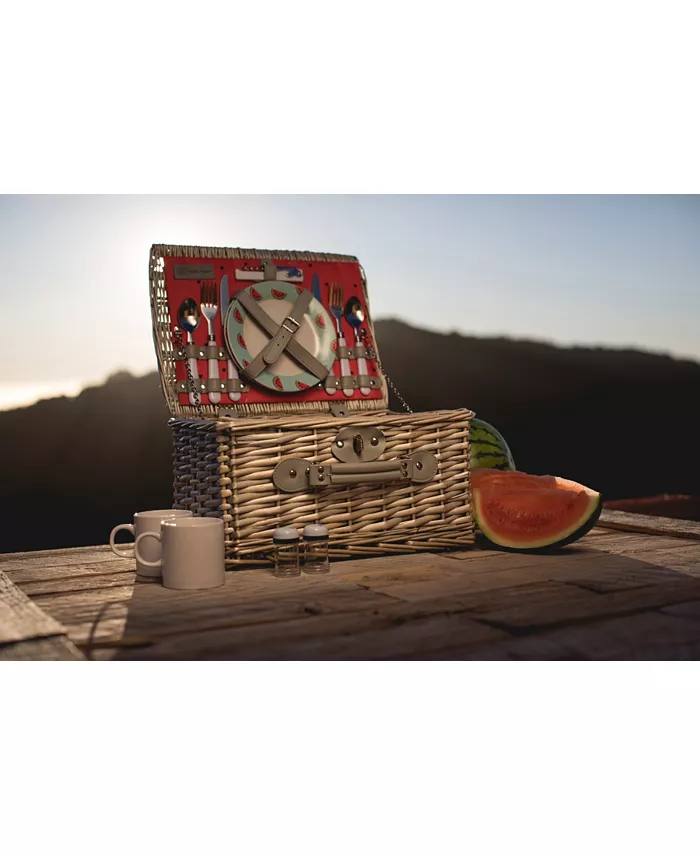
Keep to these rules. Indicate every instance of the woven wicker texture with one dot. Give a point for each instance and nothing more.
(225, 469)
(165, 349)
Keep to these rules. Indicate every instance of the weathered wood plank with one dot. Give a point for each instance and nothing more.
(392, 606)
(101, 613)
(656, 525)
(23, 572)
(528, 647)
(640, 545)
(686, 610)
(63, 557)
(649, 635)
(358, 635)
(529, 607)
(478, 563)
(56, 648)
(554, 592)
(596, 571)
(41, 589)
(247, 597)
(20, 618)
(686, 561)
(89, 610)
(612, 572)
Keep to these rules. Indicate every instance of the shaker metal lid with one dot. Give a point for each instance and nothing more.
(285, 534)
(314, 531)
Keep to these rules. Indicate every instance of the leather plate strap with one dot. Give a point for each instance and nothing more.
(281, 337)
(290, 325)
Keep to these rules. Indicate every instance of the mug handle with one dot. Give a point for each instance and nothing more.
(139, 557)
(125, 527)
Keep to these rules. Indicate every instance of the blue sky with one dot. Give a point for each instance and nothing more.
(621, 271)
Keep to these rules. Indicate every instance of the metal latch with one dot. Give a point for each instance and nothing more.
(358, 443)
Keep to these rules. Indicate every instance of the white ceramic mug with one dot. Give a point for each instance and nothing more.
(193, 552)
(145, 521)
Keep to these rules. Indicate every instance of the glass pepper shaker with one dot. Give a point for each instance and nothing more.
(316, 549)
(285, 543)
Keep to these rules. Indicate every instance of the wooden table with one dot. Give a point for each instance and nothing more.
(629, 590)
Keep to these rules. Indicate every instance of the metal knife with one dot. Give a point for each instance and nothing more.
(316, 287)
(232, 373)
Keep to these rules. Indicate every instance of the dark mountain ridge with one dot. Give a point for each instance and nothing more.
(621, 421)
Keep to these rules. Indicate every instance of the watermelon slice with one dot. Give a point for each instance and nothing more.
(521, 512)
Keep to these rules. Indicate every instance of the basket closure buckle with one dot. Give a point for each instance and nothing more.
(358, 444)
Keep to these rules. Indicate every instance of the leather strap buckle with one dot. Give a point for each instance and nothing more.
(291, 321)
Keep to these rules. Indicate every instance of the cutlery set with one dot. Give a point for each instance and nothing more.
(213, 301)
(354, 315)
(189, 316)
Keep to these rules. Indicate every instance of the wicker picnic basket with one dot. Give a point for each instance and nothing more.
(331, 451)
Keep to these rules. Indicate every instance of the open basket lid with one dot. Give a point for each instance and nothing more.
(257, 332)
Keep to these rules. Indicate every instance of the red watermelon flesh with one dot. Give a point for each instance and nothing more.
(520, 512)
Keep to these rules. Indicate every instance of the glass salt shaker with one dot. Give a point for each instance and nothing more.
(285, 542)
(316, 549)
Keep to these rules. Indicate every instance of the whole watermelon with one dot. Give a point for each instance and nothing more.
(488, 448)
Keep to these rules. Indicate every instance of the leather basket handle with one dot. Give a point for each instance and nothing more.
(294, 474)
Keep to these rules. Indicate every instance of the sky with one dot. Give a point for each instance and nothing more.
(618, 271)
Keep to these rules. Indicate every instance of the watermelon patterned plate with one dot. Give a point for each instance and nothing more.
(245, 339)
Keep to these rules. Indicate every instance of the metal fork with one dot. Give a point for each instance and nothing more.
(335, 303)
(209, 307)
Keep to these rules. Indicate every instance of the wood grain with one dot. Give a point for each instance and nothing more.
(20, 618)
(654, 525)
(351, 636)
(41, 649)
(59, 557)
(648, 635)
(23, 572)
(529, 611)
(27, 632)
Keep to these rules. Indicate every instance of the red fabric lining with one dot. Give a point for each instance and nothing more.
(344, 273)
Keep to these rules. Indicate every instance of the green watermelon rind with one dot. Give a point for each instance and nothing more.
(489, 450)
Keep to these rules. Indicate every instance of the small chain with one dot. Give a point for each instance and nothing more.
(363, 336)
(391, 385)
(195, 391)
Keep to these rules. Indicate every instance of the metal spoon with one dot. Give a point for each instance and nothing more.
(355, 316)
(189, 316)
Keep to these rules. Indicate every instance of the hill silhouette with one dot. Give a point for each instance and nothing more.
(621, 421)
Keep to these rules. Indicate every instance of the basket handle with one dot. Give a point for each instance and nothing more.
(294, 474)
